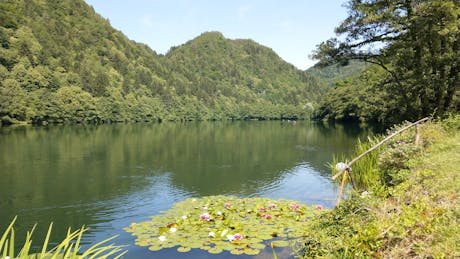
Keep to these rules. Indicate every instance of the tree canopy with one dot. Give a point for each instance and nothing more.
(416, 45)
(62, 62)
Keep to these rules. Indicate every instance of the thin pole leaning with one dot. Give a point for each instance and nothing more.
(378, 145)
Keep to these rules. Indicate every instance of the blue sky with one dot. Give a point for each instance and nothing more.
(292, 28)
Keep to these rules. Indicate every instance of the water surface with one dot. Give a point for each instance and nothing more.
(107, 176)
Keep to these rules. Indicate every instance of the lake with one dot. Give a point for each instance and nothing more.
(108, 176)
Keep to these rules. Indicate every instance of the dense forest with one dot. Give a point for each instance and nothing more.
(62, 62)
(413, 52)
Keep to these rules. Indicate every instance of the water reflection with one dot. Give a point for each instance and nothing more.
(108, 176)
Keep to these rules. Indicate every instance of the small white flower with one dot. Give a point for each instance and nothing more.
(219, 213)
(205, 207)
(193, 199)
(224, 232)
(211, 234)
(184, 217)
(162, 238)
(230, 237)
(172, 230)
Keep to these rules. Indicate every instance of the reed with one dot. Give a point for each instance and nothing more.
(69, 247)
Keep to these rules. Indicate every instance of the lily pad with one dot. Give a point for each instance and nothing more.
(223, 223)
(280, 243)
(183, 249)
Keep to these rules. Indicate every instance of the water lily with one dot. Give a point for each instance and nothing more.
(205, 216)
(227, 205)
(184, 217)
(319, 207)
(238, 236)
(172, 230)
(162, 238)
(266, 216)
(230, 237)
(294, 206)
(272, 205)
(205, 207)
(211, 234)
(219, 213)
(261, 209)
(224, 232)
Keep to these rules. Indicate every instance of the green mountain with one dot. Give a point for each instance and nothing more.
(62, 62)
(332, 74)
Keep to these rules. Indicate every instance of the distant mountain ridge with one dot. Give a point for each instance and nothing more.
(62, 62)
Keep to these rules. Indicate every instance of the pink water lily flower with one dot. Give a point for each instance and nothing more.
(205, 216)
(261, 209)
(294, 206)
(272, 205)
(266, 216)
(227, 205)
(319, 207)
(238, 236)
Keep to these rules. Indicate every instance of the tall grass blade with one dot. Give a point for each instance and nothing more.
(77, 244)
(47, 238)
(93, 247)
(5, 249)
(11, 252)
(5, 234)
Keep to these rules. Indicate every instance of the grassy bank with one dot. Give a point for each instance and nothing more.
(407, 205)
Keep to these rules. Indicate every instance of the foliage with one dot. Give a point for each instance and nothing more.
(360, 98)
(415, 43)
(415, 215)
(334, 73)
(61, 62)
(68, 248)
(222, 223)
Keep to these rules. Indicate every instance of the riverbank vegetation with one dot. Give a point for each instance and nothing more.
(406, 205)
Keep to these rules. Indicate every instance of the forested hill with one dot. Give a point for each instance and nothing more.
(62, 62)
(242, 71)
(333, 74)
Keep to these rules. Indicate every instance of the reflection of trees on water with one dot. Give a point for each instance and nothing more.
(70, 167)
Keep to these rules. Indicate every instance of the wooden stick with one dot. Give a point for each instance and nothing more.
(342, 185)
(379, 144)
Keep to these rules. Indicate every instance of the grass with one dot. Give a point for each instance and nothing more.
(410, 208)
(69, 247)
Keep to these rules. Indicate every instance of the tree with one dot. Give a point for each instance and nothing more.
(415, 41)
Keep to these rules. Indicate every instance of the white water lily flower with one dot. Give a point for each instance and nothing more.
(172, 230)
(224, 232)
(184, 217)
(205, 207)
(230, 237)
(162, 238)
(219, 213)
(211, 234)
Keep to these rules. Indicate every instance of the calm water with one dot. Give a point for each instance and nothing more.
(106, 177)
